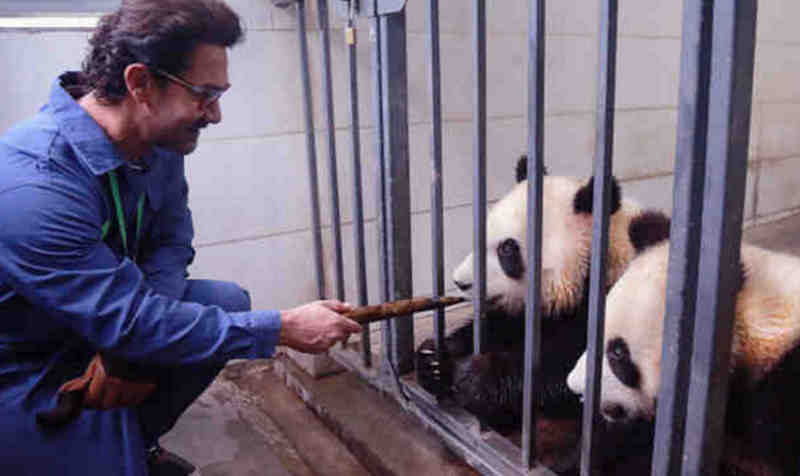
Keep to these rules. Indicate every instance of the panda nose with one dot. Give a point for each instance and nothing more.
(614, 411)
(463, 286)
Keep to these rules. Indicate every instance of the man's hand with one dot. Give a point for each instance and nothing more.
(102, 391)
(313, 328)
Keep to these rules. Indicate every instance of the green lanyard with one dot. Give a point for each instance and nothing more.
(112, 179)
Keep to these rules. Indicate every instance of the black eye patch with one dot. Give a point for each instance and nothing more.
(508, 253)
(619, 358)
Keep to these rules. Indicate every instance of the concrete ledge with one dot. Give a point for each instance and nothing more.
(377, 431)
(302, 443)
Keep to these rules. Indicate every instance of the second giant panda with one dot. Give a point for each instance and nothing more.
(762, 421)
(489, 385)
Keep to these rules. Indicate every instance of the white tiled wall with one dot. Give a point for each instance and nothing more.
(249, 177)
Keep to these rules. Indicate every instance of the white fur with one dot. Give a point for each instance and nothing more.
(766, 326)
(566, 246)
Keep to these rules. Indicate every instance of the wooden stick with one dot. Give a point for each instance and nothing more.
(388, 310)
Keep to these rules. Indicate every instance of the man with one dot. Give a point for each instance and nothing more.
(95, 239)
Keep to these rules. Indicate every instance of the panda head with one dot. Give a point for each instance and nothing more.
(634, 324)
(766, 329)
(632, 341)
(566, 245)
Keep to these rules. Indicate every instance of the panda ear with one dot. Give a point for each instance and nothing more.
(522, 168)
(648, 228)
(583, 199)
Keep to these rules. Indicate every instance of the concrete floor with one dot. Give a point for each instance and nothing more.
(268, 431)
(220, 440)
(249, 423)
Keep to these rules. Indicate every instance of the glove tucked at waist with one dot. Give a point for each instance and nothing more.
(103, 391)
(97, 388)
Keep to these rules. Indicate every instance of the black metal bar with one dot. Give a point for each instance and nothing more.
(437, 205)
(533, 323)
(327, 91)
(311, 148)
(380, 180)
(358, 202)
(726, 171)
(684, 252)
(606, 91)
(479, 178)
(394, 78)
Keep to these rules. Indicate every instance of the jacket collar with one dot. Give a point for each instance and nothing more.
(91, 144)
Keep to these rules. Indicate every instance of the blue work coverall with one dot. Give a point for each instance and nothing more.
(65, 294)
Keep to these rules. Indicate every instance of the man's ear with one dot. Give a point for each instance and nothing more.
(140, 83)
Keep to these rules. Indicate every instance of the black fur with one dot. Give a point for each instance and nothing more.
(510, 257)
(647, 229)
(619, 359)
(583, 199)
(763, 419)
(522, 168)
(761, 422)
(490, 385)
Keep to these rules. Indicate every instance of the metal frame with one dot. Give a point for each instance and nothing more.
(479, 174)
(333, 173)
(684, 252)
(606, 92)
(311, 148)
(731, 89)
(437, 201)
(536, 99)
(715, 89)
(358, 202)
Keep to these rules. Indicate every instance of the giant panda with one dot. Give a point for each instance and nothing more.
(489, 385)
(762, 420)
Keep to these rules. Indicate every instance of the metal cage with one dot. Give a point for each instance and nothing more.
(714, 109)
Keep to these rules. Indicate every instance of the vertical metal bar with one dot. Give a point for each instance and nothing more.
(533, 323)
(327, 91)
(380, 177)
(479, 179)
(726, 171)
(606, 91)
(311, 148)
(437, 206)
(685, 236)
(358, 202)
(394, 78)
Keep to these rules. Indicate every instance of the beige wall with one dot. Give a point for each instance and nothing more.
(248, 178)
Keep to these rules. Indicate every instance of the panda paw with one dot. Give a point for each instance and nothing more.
(434, 372)
(489, 386)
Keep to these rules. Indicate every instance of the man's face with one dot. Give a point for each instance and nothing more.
(181, 113)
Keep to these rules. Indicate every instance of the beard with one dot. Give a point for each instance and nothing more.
(184, 140)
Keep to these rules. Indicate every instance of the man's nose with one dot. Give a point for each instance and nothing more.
(213, 113)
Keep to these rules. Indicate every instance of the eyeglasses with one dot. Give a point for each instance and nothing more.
(208, 95)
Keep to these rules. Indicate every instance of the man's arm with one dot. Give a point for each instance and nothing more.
(167, 251)
(52, 255)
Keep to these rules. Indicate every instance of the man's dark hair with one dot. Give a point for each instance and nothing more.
(158, 33)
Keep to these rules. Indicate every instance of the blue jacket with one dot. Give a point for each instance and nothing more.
(65, 293)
